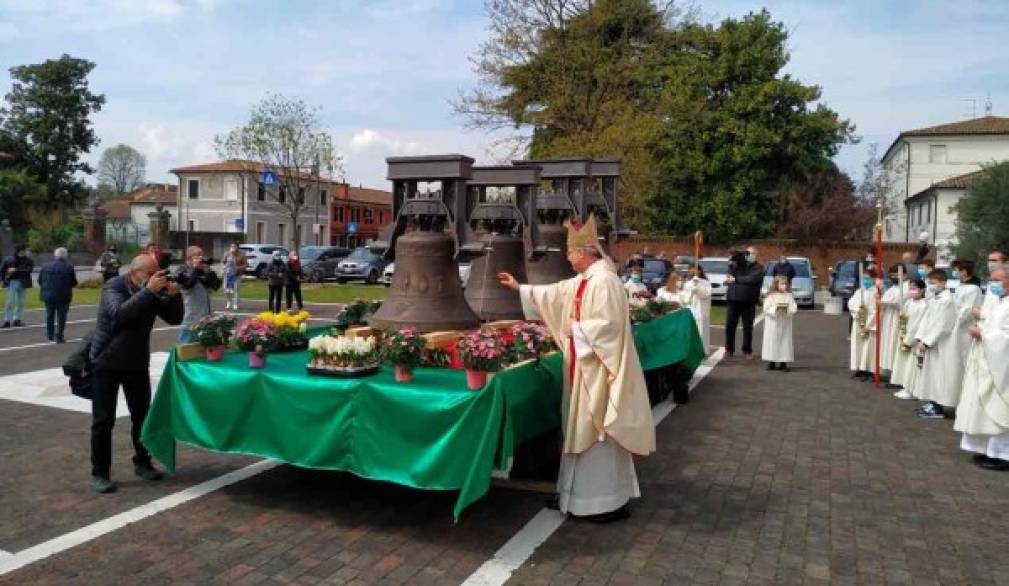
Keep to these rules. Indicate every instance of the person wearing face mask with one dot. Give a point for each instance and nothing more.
(745, 277)
(696, 295)
(197, 279)
(120, 354)
(968, 297)
(783, 268)
(276, 276)
(925, 266)
(891, 302)
(234, 268)
(637, 292)
(905, 363)
(983, 414)
(779, 309)
(16, 272)
(940, 362)
(862, 305)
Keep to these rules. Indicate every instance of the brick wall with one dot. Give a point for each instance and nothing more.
(823, 256)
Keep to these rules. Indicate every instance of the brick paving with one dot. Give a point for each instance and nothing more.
(763, 478)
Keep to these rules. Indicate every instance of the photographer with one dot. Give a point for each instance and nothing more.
(196, 279)
(746, 275)
(121, 354)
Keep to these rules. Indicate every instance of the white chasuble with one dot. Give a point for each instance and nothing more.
(779, 309)
(941, 372)
(983, 413)
(605, 412)
(905, 364)
(863, 337)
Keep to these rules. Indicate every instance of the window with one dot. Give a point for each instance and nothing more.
(369, 216)
(193, 226)
(928, 211)
(937, 154)
(323, 197)
(381, 217)
(301, 195)
(282, 234)
(231, 189)
(282, 194)
(299, 234)
(260, 192)
(193, 188)
(355, 214)
(339, 214)
(260, 231)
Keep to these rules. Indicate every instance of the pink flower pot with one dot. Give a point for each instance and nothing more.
(215, 354)
(476, 379)
(257, 360)
(403, 374)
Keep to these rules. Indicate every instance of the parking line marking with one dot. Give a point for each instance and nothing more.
(115, 522)
(521, 546)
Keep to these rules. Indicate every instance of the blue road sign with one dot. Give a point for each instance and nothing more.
(240, 224)
(269, 178)
(352, 228)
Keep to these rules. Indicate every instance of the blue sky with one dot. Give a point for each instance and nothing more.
(177, 72)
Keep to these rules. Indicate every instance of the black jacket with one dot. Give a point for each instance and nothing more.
(126, 314)
(746, 288)
(188, 277)
(783, 270)
(57, 280)
(22, 266)
(276, 273)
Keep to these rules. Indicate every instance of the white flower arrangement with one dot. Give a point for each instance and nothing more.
(342, 351)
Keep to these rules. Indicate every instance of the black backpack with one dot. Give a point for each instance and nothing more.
(78, 367)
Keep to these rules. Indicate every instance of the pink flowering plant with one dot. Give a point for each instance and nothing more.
(482, 350)
(213, 330)
(256, 335)
(403, 348)
(531, 340)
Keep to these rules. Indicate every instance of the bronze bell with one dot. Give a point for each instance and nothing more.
(426, 293)
(553, 266)
(503, 253)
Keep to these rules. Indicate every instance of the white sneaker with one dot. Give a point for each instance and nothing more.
(903, 394)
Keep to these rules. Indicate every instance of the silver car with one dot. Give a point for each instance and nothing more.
(803, 284)
(716, 269)
(386, 278)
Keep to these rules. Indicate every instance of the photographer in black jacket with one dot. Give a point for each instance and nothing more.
(746, 275)
(121, 355)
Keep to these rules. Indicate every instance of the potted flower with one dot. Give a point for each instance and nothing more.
(213, 333)
(404, 349)
(481, 352)
(256, 337)
(531, 340)
(342, 356)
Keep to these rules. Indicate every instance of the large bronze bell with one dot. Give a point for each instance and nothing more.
(503, 253)
(553, 266)
(426, 293)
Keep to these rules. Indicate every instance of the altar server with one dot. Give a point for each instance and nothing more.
(671, 292)
(983, 413)
(891, 302)
(605, 414)
(779, 309)
(696, 295)
(862, 306)
(905, 362)
(938, 382)
(637, 292)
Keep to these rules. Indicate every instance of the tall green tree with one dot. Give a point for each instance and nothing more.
(737, 131)
(18, 190)
(47, 118)
(122, 168)
(982, 221)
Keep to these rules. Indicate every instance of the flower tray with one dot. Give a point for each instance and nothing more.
(343, 371)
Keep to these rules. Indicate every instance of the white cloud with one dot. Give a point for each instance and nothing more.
(369, 140)
(58, 16)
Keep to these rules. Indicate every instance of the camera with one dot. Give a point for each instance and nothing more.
(737, 259)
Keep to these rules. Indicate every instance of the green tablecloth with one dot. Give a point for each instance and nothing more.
(433, 433)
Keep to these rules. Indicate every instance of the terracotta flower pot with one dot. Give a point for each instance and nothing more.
(257, 360)
(404, 374)
(215, 353)
(476, 379)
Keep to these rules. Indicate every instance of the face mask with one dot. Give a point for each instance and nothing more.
(749, 257)
(922, 273)
(636, 278)
(932, 289)
(867, 283)
(996, 289)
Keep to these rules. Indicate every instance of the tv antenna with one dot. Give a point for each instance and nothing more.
(987, 105)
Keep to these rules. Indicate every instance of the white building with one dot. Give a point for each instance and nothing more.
(128, 220)
(946, 158)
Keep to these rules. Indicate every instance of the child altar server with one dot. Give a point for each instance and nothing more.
(696, 295)
(862, 305)
(938, 382)
(905, 363)
(779, 308)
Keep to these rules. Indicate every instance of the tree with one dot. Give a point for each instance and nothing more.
(826, 209)
(18, 191)
(284, 135)
(122, 168)
(983, 215)
(47, 116)
(737, 132)
(878, 187)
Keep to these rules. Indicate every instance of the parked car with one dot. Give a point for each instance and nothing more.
(844, 280)
(682, 264)
(257, 256)
(655, 271)
(386, 278)
(319, 262)
(361, 265)
(803, 284)
(716, 269)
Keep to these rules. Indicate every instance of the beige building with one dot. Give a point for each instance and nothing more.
(939, 157)
(228, 197)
